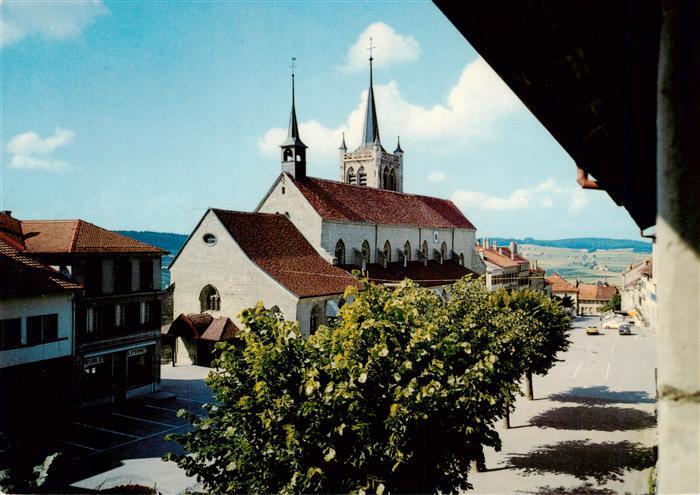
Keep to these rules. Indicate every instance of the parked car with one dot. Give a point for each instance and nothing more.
(592, 331)
(624, 329)
(615, 323)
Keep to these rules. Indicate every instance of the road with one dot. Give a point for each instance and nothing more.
(591, 427)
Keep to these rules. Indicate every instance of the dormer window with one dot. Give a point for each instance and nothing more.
(209, 239)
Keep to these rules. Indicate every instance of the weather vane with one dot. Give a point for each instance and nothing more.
(294, 59)
(371, 46)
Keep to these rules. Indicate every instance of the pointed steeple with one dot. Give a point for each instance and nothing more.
(342, 145)
(370, 135)
(293, 149)
(293, 133)
(398, 146)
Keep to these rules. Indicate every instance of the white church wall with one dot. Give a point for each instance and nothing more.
(397, 237)
(465, 240)
(352, 234)
(286, 198)
(240, 282)
(305, 307)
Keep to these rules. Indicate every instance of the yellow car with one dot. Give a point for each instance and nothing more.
(592, 331)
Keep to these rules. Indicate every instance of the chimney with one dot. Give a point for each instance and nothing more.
(502, 251)
(513, 250)
(534, 264)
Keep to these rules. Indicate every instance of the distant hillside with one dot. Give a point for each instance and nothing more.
(164, 240)
(587, 243)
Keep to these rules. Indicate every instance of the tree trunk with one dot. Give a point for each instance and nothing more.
(528, 385)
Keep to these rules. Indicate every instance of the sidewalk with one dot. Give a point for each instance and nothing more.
(591, 427)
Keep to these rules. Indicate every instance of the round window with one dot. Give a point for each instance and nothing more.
(209, 239)
(436, 236)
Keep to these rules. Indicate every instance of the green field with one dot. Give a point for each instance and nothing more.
(601, 265)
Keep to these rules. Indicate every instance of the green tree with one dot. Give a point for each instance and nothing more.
(400, 394)
(613, 305)
(546, 325)
(567, 301)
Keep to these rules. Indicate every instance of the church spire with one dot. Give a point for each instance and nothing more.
(293, 149)
(371, 128)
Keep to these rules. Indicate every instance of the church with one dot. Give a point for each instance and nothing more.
(297, 250)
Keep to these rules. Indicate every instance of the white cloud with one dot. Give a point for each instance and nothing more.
(474, 105)
(437, 177)
(29, 163)
(24, 148)
(29, 143)
(390, 48)
(52, 20)
(547, 194)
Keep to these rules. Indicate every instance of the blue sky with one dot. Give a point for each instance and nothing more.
(140, 115)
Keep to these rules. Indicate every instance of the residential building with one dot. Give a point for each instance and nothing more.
(639, 292)
(117, 317)
(36, 333)
(561, 288)
(297, 251)
(591, 297)
(506, 268)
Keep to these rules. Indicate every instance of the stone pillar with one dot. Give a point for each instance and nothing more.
(677, 248)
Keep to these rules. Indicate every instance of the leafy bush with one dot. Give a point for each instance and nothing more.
(399, 394)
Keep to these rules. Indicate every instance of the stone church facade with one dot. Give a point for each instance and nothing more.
(296, 251)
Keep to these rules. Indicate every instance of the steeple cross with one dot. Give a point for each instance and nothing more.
(293, 66)
(371, 46)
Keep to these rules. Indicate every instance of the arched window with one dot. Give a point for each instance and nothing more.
(424, 250)
(340, 252)
(407, 251)
(443, 250)
(392, 180)
(461, 259)
(209, 299)
(365, 251)
(287, 154)
(350, 176)
(385, 178)
(362, 176)
(387, 251)
(316, 318)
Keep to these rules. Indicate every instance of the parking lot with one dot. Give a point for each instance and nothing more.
(124, 443)
(592, 425)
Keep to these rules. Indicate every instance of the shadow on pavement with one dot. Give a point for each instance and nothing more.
(585, 489)
(594, 418)
(579, 458)
(602, 395)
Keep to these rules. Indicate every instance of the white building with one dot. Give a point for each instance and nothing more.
(307, 234)
(639, 292)
(506, 268)
(36, 332)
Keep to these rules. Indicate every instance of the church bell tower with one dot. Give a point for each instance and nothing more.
(293, 149)
(370, 164)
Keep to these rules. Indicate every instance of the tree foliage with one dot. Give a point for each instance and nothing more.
(399, 394)
(613, 304)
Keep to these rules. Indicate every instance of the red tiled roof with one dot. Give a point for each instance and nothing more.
(560, 284)
(430, 275)
(202, 326)
(23, 276)
(273, 243)
(349, 203)
(78, 236)
(593, 292)
(493, 256)
(11, 230)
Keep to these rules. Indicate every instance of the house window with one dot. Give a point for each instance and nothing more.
(209, 299)
(407, 251)
(392, 180)
(365, 251)
(350, 176)
(362, 176)
(122, 276)
(42, 329)
(10, 333)
(340, 252)
(316, 318)
(139, 367)
(146, 274)
(119, 315)
(461, 259)
(145, 313)
(387, 251)
(92, 277)
(385, 178)
(209, 239)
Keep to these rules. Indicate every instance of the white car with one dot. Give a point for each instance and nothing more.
(614, 323)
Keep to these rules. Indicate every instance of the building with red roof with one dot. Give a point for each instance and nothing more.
(114, 320)
(507, 268)
(307, 235)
